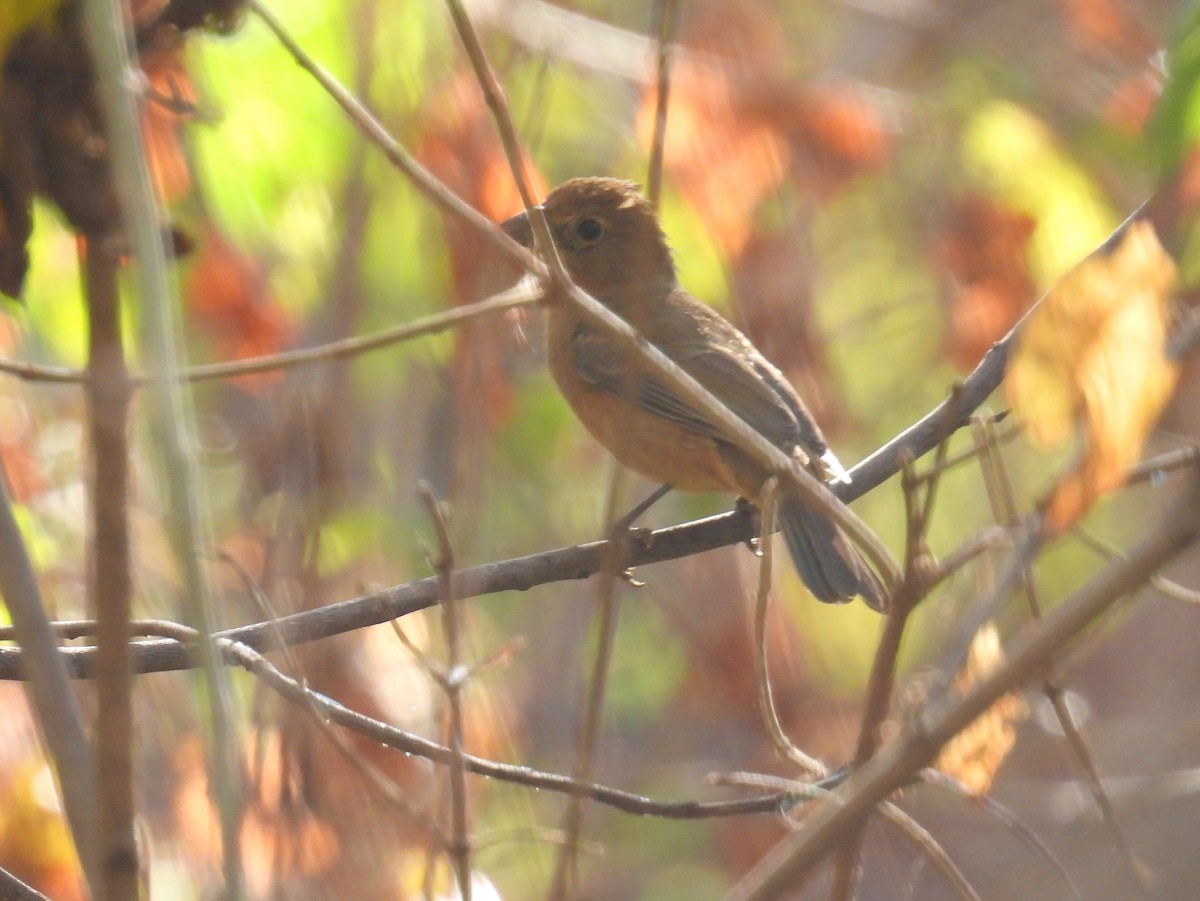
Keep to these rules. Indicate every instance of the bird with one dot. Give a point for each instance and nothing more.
(611, 242)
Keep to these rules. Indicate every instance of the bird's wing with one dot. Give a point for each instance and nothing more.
(732, 370)
(602, 362)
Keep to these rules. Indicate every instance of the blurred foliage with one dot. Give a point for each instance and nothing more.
(875, 198)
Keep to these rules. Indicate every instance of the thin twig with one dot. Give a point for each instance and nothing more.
(513, 298)
(975, 545)
(13, 889)
(762, 677)
(49, 690)
(1007, 818)
(456, 674)
(1155, 468)
(668, 18)
(519, 296)
(566, 864)
(41, 372)
(1035, 646)
(409, 743)
(1108, 551)
(1001, 492)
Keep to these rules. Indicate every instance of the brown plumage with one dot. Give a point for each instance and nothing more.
(610, 240)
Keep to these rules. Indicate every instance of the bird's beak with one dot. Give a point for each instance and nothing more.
(519, 229)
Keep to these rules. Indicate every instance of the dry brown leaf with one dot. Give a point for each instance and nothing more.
(281, 835)
(835, 131)
(163, 118)
(1107, 26)
(974, 756)
(1093, 356)
(724, 160)
(228, 296)
(459, 145)
(982, 249)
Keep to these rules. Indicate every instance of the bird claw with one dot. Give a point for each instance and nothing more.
(628, 578)
(625, 542)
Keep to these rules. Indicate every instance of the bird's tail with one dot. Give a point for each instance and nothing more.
(828, 563)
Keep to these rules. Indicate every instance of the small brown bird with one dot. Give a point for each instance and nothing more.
(612, 244)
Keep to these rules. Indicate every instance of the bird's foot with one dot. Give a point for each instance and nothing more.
(628, 544)
(744, 507)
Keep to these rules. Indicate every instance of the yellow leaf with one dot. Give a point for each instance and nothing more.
(974, 755)
(1093, 358)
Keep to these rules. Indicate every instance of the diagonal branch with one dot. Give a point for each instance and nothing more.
(1037, 645)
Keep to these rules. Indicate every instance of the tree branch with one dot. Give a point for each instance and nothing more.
(1037, 645)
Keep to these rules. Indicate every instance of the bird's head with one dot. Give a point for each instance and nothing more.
(608, 237)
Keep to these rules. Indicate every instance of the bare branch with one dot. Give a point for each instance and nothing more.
(1037, 644)
(455, 676)
(668, 20)
(762, 676)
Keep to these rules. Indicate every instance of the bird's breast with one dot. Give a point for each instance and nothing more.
(658, 448)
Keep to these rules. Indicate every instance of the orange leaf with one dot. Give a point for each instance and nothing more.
(1093, 356)
(974, 756)
(163, 117)
(1106, 27)
(982, 248)
(725, 161)
(35, 842)
(228, 296)
(460, 146)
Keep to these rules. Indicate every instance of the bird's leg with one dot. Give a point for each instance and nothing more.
(744, 507)
(621, 528)
(632, 516)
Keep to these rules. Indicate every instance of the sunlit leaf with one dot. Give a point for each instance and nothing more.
(35, 842)
(1021, 161)
(1093, 357)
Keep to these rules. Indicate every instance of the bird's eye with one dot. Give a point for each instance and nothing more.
(588, 229)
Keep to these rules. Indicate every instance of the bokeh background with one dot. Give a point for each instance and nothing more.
(874, 190)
